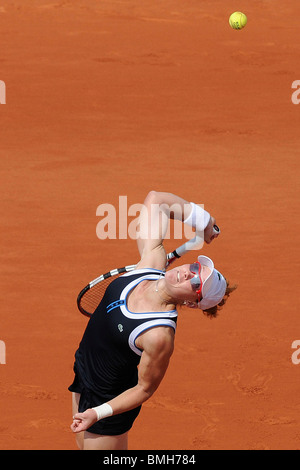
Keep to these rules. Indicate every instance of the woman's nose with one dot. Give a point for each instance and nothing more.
(188, 274)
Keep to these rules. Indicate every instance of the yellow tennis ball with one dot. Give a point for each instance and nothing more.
(238, 20)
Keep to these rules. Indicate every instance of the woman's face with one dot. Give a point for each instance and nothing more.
(178, 282)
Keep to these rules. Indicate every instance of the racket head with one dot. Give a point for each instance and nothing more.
(91, 295)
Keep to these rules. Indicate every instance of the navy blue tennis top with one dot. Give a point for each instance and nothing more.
(107, 357)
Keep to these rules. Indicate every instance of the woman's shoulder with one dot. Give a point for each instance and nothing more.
(144, 271)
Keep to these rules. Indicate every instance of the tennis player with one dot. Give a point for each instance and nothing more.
(134, 325)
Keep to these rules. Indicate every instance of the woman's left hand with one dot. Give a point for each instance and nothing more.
(82, 421)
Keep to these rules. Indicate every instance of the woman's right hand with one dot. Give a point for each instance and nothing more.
(210, 233)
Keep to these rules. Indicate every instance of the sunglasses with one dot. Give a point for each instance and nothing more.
(196, 281)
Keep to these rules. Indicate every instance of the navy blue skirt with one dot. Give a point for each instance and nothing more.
(111, 426)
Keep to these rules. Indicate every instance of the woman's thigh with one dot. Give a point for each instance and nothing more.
(98, 442)
(80, 435)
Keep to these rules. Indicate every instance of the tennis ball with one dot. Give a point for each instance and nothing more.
(238, 20)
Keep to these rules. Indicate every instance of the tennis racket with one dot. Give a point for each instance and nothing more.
(90, 296)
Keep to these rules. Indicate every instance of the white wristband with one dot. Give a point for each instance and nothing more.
(198, 218)
(103, 411)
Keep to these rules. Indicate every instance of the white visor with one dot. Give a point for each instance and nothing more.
(214, 287)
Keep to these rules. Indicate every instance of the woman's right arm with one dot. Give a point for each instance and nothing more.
(158, 209)
(157, 345)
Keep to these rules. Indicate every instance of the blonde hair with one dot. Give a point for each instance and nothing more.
(213, 311)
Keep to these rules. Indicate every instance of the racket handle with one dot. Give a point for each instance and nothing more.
(171, 257)
(216, 230)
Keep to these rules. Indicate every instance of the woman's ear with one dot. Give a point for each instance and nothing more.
(190, 304)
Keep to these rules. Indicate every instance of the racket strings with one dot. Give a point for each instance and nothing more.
(90, 297)
(93, 296)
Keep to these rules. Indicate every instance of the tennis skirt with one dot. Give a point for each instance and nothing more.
(111, 426)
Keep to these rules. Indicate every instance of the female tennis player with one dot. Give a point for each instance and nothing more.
(134, 325)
